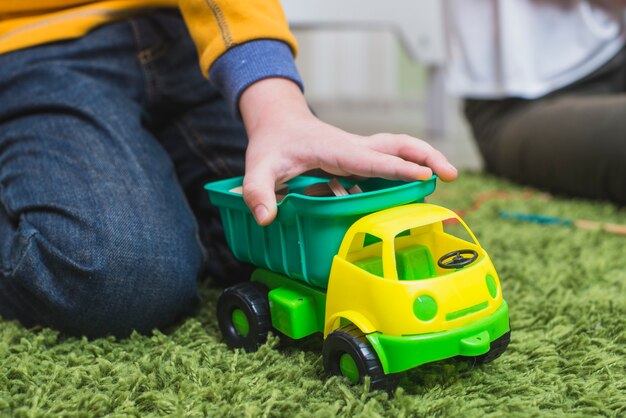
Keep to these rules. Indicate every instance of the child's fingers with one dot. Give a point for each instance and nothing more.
(362, 161)
(415, 150)
(258, 193)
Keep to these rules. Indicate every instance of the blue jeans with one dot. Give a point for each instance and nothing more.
(105, 143)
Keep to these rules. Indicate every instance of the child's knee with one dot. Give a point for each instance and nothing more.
(108, 281)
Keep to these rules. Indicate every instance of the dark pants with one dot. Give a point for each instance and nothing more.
(572, 141)
(105, 143)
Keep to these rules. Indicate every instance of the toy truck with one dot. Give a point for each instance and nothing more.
(389, 281)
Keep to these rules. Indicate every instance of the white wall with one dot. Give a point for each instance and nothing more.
(348, 65)
(350, 49)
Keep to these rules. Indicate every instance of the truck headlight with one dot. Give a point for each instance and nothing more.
(425, 308)
(491, 286)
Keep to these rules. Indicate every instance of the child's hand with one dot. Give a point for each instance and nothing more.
(286, 139)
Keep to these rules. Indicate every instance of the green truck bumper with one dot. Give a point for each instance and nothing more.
(402, 353)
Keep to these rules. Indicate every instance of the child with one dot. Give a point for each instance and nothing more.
(108, 132)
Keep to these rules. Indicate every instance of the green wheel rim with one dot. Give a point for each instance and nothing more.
(240, 322)
(348, 368)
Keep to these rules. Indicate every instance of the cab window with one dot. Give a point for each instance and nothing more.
(366, 252)
(414, 259)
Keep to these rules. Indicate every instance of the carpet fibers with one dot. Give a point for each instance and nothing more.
(566, 290)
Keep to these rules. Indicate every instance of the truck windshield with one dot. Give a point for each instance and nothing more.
(415, 250)
(418, 249)
(454, 228)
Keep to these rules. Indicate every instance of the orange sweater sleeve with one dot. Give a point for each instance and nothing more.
(218, 25)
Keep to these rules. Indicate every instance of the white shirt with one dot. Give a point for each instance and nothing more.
(528, 48)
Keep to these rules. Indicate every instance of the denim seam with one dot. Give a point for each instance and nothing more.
(201, 150)
(11, 269)
(3, 201)
(5, 271)
(148, 55)
(150, 82)
(10, 273)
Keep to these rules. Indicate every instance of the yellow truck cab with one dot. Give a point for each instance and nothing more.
(399, 285)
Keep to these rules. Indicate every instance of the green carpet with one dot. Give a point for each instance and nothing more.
(566, 290)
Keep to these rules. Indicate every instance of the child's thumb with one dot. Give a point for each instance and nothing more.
(258, 193)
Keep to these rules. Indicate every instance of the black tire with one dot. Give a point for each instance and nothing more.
(350, 340)
(249, 299)
(498, 347)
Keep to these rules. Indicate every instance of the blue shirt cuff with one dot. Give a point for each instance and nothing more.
(248, 63)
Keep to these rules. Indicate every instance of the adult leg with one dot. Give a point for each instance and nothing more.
(96, 237)
(571, 142)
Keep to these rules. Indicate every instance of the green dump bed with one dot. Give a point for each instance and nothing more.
(308, 230)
